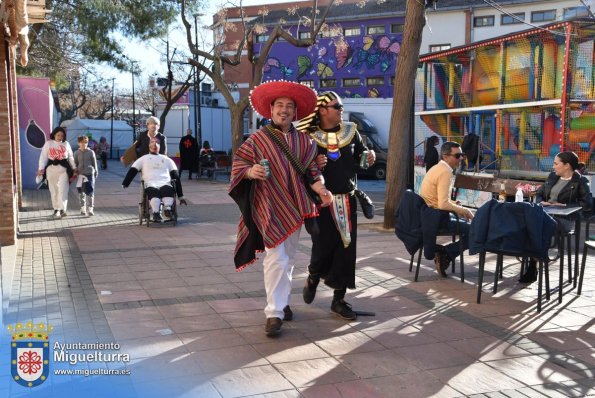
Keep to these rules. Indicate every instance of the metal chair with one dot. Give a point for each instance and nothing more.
(453, 262)
(589, 245)
(543, 268)
(413, 200)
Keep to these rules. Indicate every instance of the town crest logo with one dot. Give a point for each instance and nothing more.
(30, 353)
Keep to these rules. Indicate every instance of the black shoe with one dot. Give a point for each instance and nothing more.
(442, 262)
(56, 214)
(157, 217)
(167, 212)
(530, 274)
(309, 291)
(63, 213)
(287, 313)
(343, 309)
(273, 327)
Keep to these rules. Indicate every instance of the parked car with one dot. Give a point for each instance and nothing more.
(373, 141)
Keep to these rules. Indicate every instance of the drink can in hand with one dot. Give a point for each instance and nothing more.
(267, 165)
(363, 162)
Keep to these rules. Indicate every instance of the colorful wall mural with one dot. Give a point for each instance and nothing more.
(353, 66)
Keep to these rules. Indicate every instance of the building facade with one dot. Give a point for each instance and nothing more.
(15, 17)
(356, 56)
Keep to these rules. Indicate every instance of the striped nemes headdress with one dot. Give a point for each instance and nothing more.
(311, 121)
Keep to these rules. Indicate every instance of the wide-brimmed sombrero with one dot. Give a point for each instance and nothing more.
(262, 96)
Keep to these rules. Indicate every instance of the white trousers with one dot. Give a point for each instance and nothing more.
(58, 185)
(155, 203)
(278, 268)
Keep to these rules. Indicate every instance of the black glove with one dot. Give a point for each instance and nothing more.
(183, 202)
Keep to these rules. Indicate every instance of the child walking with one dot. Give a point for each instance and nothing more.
(86, 167)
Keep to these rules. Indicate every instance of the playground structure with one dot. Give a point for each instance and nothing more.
(526, 95)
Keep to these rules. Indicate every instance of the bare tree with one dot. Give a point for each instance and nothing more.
(146, 97)
(85, 96)
(99, 102)
(72, 96)
(179, 78)
(399, 144)
(211, 63)
(173, 91)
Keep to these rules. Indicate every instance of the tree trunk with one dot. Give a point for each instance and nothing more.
(237, 116)
(400, 145)
(163, 117)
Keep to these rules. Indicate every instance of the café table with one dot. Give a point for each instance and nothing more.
(570, 214)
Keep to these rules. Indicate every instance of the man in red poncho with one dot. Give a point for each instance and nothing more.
(274, 207)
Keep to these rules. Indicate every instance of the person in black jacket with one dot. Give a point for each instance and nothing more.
(188, 154)
(340, 149)
(431, 156)
(565, 186)
(470, 147)
(152, 132)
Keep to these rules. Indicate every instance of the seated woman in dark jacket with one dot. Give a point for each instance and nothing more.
(565, 186)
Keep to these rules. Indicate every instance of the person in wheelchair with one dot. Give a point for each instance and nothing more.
(206, 158)
(157, 173)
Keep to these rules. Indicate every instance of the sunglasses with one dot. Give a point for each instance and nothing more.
(457, 155)
(338, 107)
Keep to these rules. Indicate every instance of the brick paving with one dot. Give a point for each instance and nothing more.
(193, 327)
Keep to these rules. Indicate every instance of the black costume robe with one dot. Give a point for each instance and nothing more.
(330, 259)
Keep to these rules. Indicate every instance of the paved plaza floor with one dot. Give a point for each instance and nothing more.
(188, 325)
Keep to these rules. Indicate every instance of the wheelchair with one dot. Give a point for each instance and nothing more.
(207, 162)
(144, 211)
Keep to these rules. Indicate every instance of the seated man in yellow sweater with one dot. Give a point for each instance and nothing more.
(435, 190)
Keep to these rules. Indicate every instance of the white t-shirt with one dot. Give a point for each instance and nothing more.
(54, 150)
(155, 169)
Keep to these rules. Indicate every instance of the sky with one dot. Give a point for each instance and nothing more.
(148, 55)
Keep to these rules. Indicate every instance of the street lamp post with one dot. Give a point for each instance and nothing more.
(152, 84)
(111, 133)
(196, 96)
(133, 107)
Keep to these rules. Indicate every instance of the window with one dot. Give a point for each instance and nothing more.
(397, 27)
(309, 83)
(576, 12)
(375, 30)
(392, 80)
(261, 38)
(375, 81)
(326, 33)
(542, 16)
(304, 35)
(519, 17)
(487, 20)
(328, 83)
(351, 82)
(351, 31)
(439, 47)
